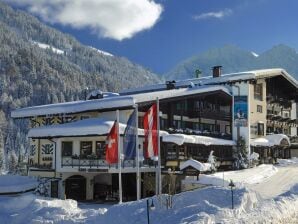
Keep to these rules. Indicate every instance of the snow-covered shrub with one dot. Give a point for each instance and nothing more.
(254, 159)
(43, 188)
(212, 161)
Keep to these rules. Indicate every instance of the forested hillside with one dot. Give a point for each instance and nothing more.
(234, 59)
(40, 65)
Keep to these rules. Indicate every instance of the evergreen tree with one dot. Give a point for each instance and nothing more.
(2, 155)
(12, 162)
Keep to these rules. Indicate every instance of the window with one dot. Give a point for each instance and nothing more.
(259, 109)
(261, 129)
(86, 149)
(101, 150)
(140, 122)
(258, 91)
(83, 117)
(66, 148)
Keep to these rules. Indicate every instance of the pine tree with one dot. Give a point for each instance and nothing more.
(2, 154)
(12, 162)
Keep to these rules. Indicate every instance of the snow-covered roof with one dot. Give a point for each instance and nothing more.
(150, 96)
(180, 139)
(110, 103)
(86, 127)
(270, 140)
(195, 164)
(248, 75)
(74, 107)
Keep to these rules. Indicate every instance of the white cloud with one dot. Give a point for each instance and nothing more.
(116, 19)
(216, 15)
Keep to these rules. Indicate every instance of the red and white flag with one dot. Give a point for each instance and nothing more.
(112, 145)
(151, 134)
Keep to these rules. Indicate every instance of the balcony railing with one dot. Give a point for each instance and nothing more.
(188, 131)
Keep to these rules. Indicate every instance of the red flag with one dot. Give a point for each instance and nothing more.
(150, 129)
(112, 145)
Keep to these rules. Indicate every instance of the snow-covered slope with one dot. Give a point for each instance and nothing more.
(46, 46)
(101, 51)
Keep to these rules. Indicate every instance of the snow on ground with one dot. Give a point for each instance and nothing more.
(208, 205)
(101, 51)
(239, 177)
(46, 46)
(15, 183)
(287, 162)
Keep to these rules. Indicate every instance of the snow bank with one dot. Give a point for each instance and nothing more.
(16, 184)
(287, 162)
(240, 177)
(209, 205)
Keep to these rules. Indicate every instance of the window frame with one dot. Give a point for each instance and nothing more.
(258, 91)
(100, 152)
(63, 149)
(259, 109)
(81, 148)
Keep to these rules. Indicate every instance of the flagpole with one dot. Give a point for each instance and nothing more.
(158, 144)
(119, 157)
(138, 156)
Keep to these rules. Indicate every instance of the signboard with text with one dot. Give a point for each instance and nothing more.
(240, 111)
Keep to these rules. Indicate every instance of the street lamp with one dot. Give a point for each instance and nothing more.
(232, 185)
(151, 207)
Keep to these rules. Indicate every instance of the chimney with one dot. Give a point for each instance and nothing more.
(171, 84)
(216, 71)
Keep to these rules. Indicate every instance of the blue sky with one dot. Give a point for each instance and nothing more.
(168, 31)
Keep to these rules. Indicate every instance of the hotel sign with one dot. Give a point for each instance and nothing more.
(240, 111)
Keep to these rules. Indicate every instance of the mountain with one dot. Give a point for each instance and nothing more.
(40, 65)
(234, 59)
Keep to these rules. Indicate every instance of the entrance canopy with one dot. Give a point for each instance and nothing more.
(271, 140)
(196, 165)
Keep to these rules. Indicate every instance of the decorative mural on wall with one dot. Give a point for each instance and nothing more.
(240, 111)
(47, 149)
